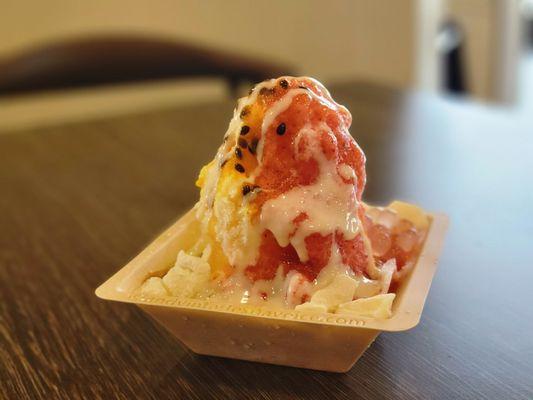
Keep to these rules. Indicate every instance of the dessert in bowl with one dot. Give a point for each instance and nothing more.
(281, 233)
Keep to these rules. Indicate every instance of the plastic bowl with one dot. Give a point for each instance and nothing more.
(327, 342)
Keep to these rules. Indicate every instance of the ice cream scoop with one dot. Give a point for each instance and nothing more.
(283, 193)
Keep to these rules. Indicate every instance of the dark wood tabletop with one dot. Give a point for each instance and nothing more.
(79, 201)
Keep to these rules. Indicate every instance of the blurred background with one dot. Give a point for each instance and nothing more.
(65, 60)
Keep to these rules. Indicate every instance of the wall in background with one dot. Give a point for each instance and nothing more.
(332, 40)
(389, 42)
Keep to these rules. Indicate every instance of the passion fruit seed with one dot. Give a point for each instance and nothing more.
(253, 146)
(243, 143)
(246, 189)
(245, 129)
(238, 153)
(281, 129)
(284, 84)
(239, 168)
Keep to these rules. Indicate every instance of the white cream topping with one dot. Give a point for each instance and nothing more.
(329, 203)
(346, 172)
(334, 268)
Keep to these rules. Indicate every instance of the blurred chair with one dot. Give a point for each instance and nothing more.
(90, 61)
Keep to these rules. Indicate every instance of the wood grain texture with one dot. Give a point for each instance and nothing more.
(78, 201)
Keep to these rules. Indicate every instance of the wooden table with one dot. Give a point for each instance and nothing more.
(77, 202)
